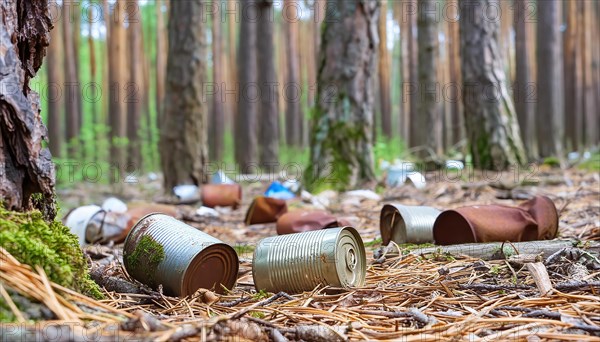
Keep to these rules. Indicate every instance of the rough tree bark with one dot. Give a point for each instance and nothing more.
(268, 137)
(55, 91)
(183, 136)
(550, 110)
(492, 127)
(413, 76)
(161, 60)
(293, 116)
(573, 77)
(245, 124)
(523, 87)
(457, 122)
(117, 118)
(25, 166)
(341, 130)
(429, 118)
(93, 69)
(134, 90)
(384, 74)
(72, 86)
(217, 118)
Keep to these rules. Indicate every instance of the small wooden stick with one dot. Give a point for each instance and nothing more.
(540, 276)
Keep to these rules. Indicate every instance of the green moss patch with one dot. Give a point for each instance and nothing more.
(33, 241)
(150, 253)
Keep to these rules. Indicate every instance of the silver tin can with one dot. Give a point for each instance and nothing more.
(160, 250)
(299, 262)
(407, 224)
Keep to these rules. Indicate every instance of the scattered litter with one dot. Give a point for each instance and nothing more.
(333, 257)
(454, 165)
(407, 224)
(207, 212)
(265, 210)
(221, 195)
(292, 185)
(536, 219)
(113, 204)
(187, 193)
(79, 218)
(364, 194)
(152, 176)
(279, 191)
(300, 221)
(416, 179)
(161, 250)
(404, 172)
(221, 178)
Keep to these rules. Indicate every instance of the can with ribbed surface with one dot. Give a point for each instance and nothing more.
(299, 262)
(407, 224)
(160, 250)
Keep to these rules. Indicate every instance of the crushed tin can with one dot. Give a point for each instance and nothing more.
(221, 195)
(300, 221)
(265, 210)
(299, 262)
(536, 219)
(407, 224)
(161, 250)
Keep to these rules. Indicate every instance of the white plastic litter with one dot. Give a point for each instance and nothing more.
(364, 194)
(115, 205)
(207, 212)
(221, 178)
(78, 219)
(187, 192)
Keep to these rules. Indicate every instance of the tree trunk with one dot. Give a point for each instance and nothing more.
(292, 87)
(549, 116)
(453, 93)
(55, 91)
(429, 118)
(384, 74)
(492, 127)
(93, 85)
(134, 89)
(183, 145)
(411, 86)
(160, 60)
(72, 86)
(117, 79)
(267, 79)
(26, 168)
(572, 67)
(217, 126)
(341, 137)
(523, 86)
(590, 67)
(245, 151)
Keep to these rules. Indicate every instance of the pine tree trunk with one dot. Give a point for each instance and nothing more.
(341, 129)
(72, 86)
(183, 144)
(55, 91)
(411, 86)
(245, 123)
(93, 85)
(590, 67)
(572, 62)
(26, 168)
(550, 104)
(453, 94)
(384, 74)
(134, 90)
(117, 79)
(160, 60)
(268, 137)
(429, 118)
(217, 126)
(293, 116)
(492, 127)
(523, 85)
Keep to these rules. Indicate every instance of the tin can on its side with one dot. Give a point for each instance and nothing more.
(162, 250)
(407, 224)
(299, 262)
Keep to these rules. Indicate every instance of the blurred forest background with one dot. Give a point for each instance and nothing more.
(105, 81)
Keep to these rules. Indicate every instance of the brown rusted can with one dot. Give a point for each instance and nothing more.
(161, 250)
(221, 195)
(299, 262)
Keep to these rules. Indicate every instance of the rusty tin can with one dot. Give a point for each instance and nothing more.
(407, 224)
(299, 262)
(161, 250)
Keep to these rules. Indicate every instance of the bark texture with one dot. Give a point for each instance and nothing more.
(428, 123)
(245, 124)
(183, 136)
(72, 86)
(524, 98)
(55, 91)
(134, 89)
(293, 116)
(550, 110)
(492, 127)
(385, 73)
(268, 137)
(25, 166)
(342, 124)
(217, 121)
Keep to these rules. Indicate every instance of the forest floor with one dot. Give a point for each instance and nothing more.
(406, 296)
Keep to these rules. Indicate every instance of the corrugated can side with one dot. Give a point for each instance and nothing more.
(407, 224)
(299, 262)
(162, 250)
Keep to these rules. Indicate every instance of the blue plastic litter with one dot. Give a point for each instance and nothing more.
(277, 190)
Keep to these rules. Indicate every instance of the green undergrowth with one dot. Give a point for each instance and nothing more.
(592, 164)
(149, 252)
(33, 241)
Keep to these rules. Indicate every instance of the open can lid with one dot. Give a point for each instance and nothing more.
(78, 220)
